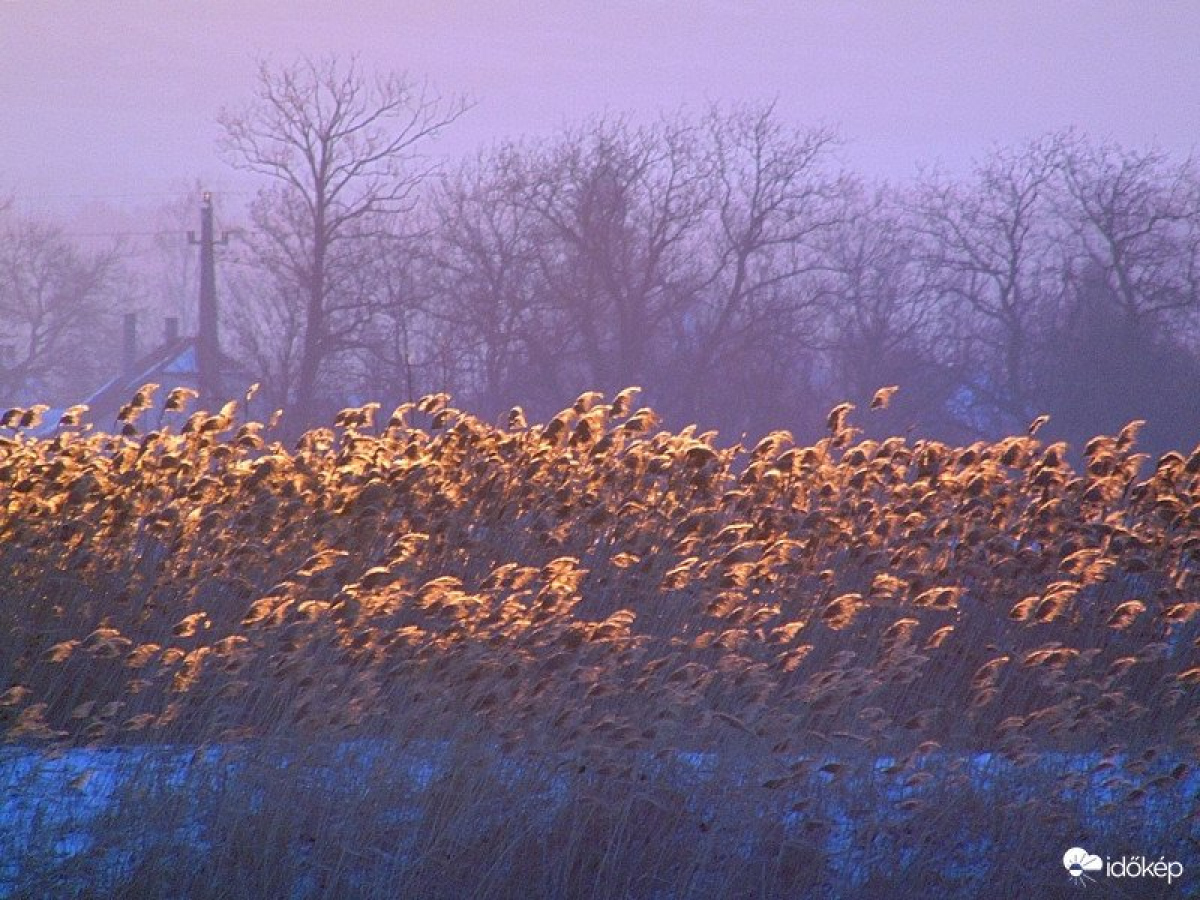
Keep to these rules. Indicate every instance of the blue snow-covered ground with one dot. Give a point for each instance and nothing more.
(57, 804)
(60, 799)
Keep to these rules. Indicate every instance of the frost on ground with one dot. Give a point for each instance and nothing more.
(369, 815)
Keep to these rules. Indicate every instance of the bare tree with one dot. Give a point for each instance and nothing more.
(1122, 347)
(52, 305)
(987, 245)
(265, 318)
(404, 348)
(484, 268)
(773, 198)
(882, 322)
(1135, 216)
(341, 150)
(617, 212)
(673, 254)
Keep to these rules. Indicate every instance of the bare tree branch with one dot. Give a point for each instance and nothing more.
(342, 153)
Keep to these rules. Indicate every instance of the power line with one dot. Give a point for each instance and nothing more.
(122, 196)
(105, 234)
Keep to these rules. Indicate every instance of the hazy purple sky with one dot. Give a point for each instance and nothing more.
(119, 97)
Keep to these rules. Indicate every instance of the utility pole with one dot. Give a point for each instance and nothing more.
(208, 349)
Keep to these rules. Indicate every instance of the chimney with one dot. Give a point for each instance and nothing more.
(171, 333)
(129, 348)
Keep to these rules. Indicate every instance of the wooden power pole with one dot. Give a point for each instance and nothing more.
(208, 348)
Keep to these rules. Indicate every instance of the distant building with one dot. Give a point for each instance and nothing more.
(194, 362)
(174, 363)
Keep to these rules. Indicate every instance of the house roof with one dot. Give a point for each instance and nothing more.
(172, 365)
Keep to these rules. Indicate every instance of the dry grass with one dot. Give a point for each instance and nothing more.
(570, 612)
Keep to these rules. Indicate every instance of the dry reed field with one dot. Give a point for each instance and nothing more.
(423, 655)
